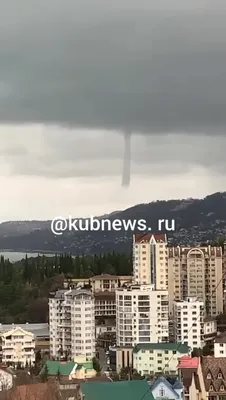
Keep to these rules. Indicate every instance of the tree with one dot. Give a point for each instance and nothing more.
(96, 364)
(44, 374)
(58, 374)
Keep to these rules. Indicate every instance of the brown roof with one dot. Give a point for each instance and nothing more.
(104, 276)
(187, 374)
(104, 295)
(146, 237)
(221, 338)
(38, 391)
(214, 373)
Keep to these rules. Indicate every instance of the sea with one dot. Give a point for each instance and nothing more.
(17, 256)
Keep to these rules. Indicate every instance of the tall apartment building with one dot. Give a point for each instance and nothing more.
(141, 315)
(18, 346)
(72, 323)
(150, 260)
(189, 322)
(196, 272)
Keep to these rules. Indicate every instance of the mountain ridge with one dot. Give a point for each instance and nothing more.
(197, 220)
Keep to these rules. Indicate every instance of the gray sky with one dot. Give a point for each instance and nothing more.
(74, 75)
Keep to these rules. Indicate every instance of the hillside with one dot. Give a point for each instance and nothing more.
(197, 220)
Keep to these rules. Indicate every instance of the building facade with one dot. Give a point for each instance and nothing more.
(105, 305)
(150, 260)
(189, 322)
(18, 346)
(72, 323)
(99, 283)
(141, 315)
(155, 358)
(197, 272)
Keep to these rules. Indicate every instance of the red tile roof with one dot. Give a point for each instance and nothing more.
(146, 237)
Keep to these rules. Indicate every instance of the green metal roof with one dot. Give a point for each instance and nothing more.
(179, 347)
(65, 368)
(55, 367)
(122, 390)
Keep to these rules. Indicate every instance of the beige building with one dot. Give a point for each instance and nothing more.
(100, 283)
(141, 315)
(72, 323)
(154, 358)
(105, 305)
(196, 272)
(18, 346)
(150, 260)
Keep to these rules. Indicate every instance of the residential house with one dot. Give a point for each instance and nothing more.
(153, 358)
(210, 329)
(162, 389)
(220, 345)
(120, 390)
(214, 375)
(70, 370)
(190, 373)
(18, 346)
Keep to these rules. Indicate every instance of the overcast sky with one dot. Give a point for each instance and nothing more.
(75, 75)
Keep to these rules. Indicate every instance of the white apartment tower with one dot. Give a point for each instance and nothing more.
(141, 315)
(189, 322)
(150, 260)
(72, 323)
(196, 272)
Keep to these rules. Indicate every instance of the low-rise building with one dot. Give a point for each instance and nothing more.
(190, 372)
(121, 390)
(18, 346)
(156, 358)
(124, 357)
(162, 389)
(210, 330)
(104, 328)
(220, 345)
(70, 370)
(214, 375)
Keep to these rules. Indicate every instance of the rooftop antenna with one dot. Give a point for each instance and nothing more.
(126, 160)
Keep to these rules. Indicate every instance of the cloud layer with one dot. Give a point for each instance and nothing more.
(144, 66)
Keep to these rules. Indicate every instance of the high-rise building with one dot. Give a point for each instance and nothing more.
(72, 323)
(150, 260)
(189, 322)
(196, 272)
(141, 315)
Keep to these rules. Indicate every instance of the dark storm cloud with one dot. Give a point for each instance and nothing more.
(144, 66)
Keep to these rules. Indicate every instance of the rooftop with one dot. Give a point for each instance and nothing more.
(188, 362)
(38, 330)
(221, 338)
(60, 294)
(104, 295)
(179, 347)
(122, 390)
(146, 237)
(65, 368)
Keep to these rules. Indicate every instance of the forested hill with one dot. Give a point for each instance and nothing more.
(197, 220)
(25, 285)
